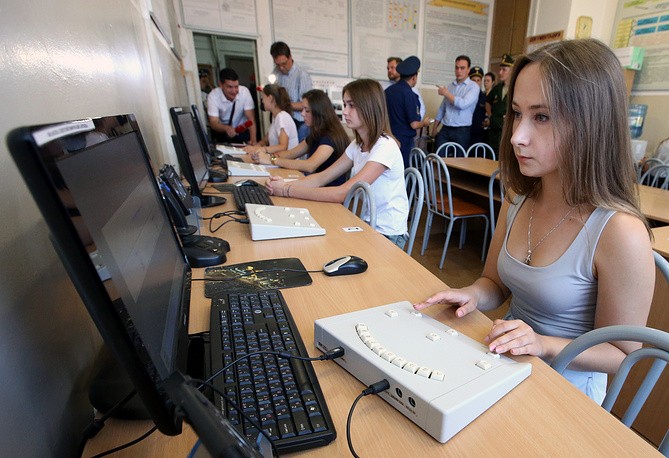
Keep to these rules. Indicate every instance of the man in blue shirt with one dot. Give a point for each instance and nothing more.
(294, 79)
(404, 107)
(455, 112)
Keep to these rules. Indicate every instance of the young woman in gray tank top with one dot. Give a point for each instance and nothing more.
(571, 249)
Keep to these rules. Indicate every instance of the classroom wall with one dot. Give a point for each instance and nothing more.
(63, 60)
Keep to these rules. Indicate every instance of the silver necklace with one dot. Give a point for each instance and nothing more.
(528, 258)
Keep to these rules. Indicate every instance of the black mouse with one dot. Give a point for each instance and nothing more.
(247, 183)
(346, 265)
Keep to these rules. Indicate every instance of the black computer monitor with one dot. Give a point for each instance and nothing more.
(192, 161)
(200, 127)
(94, 184)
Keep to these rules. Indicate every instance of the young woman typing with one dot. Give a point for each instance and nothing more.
(282, 133)
(571, 247)
(326, 141)
(373, 157)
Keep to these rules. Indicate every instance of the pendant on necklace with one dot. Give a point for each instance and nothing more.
(528, 258)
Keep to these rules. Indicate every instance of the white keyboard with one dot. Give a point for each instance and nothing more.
(439, 379)
(243, 169)
(230, 150)
(276, 222)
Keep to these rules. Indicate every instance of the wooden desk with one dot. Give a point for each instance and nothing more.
(544, 415)
(654, 203)
(471, 174)
(661, 242)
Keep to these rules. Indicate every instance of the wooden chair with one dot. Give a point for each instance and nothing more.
(481, 150)
(360, 201)
(416, 194)
(451, 149)
(440, 202)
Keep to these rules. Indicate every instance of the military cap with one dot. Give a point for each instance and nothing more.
(408, 66)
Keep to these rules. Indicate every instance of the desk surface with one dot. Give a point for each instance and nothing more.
(661, 242)
(544, 415)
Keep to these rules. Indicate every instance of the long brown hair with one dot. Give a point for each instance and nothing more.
(325, 122)
(587, 99)
(280, 96)
(370, 102)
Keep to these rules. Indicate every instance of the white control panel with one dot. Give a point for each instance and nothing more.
(439, 379)
(244, 169)
(277, 222)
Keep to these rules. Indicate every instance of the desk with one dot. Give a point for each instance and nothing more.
(544, 415)
(661, 242)
(654, 203)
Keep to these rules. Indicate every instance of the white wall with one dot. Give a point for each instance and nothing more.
(555, 15)
(63, 60)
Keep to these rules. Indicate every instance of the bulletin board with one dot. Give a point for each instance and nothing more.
(236, 17)
(645, 23)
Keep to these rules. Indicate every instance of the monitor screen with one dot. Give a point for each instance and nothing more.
(93, 182)
(190, 154)
(201, 129)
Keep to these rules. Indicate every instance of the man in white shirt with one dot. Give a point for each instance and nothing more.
(231, 110)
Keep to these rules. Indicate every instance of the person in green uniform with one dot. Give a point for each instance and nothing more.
(496, 104)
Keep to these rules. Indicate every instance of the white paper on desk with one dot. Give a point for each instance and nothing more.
(230, 150)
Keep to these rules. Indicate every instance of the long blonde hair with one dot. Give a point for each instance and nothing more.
(585, 90)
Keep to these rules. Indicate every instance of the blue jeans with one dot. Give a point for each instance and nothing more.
(399, 240)
(461, 135)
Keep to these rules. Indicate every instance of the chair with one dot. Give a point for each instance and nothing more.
(491, 198)
(440, 202)
(360, 201)
(416, 194)
(659, 353)
(451, 149)
(657, 177)
(417, 159)
(481, 150)
(646, 165)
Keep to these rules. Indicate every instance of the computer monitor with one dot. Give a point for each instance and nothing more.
(193, 160)
(200, 128)
(93, 183)
(191, 157)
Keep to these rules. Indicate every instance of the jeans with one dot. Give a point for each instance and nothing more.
(399, 240)
(459, 135)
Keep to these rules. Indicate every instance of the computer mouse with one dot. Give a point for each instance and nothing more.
(247, 183)
(346, 265)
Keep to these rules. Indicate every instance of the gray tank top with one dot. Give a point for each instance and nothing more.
(559, 299)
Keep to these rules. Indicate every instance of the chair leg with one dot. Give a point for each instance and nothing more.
(448, 237)
(463, 232)
(426, 235)
(485, 239)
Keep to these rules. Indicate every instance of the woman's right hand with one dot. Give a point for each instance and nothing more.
(463, 298)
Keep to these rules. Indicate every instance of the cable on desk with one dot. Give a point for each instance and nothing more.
(374, 388)
(127, 444)
(230, 214)
(95, 426)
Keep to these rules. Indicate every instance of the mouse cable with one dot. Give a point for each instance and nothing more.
(255, 272)
(254, 422)
(374, 388)
(232, 219)
(225, 213)
(96, 425)
(127, 444)
(333, 353)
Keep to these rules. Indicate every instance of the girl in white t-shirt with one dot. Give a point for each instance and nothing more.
(373, 157)
(282, 134)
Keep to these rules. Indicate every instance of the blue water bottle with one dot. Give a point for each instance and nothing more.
(636, 116)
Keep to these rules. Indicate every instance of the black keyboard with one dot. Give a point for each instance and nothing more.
(282, 395)
(251, 195)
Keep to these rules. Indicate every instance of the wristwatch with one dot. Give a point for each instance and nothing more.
(273, 158)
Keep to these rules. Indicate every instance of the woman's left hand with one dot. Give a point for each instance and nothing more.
(275, 186)
(515, 337)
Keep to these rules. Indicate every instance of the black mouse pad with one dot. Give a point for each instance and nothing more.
(256, 276)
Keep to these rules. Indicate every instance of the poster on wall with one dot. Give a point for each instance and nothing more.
(316, 32)
(226, 16)
(645, 23)
(452, 28)
(381, 29)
